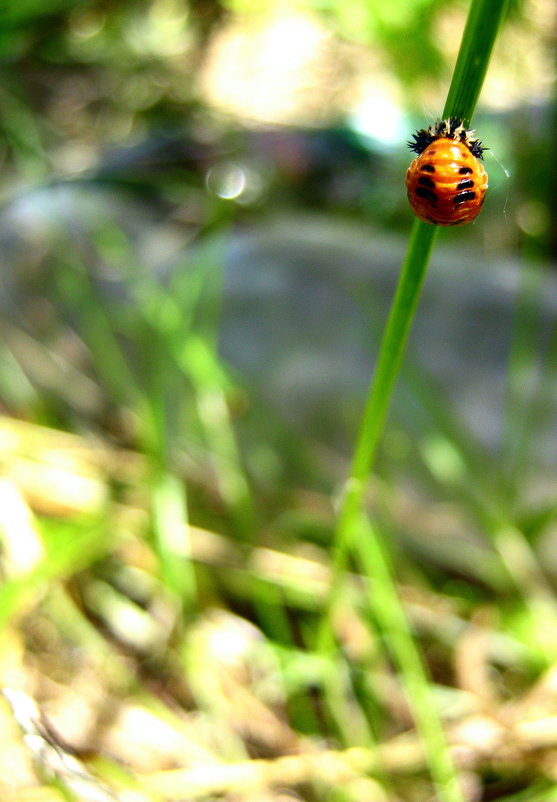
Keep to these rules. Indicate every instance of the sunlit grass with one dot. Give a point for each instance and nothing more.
(205, 638)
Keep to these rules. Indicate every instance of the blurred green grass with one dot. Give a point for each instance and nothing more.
(178, 551)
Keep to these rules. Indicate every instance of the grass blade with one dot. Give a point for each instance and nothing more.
(482, 26)
(484, 20)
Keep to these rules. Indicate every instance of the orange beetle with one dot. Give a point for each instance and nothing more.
(447, 181)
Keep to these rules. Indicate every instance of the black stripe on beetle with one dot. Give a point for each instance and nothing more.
(462, 197)
(427, 194)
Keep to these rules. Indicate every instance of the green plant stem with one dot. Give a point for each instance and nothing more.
(387, 609)
(353, 529)
(404, 304)
(171, 534)
(391, 351)
(482, 26)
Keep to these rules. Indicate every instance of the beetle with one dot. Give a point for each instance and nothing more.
(447, 181)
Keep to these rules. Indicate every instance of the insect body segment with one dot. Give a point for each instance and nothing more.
(447, 181)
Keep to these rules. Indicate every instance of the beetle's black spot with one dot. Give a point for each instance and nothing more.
(424, 181)
(427, 194)
(466, 184)
(427, 168)
(462, 197)
(465, 170)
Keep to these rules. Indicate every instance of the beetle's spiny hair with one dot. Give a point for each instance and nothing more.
(453, 128)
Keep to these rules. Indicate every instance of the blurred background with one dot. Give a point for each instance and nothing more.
(202, 220)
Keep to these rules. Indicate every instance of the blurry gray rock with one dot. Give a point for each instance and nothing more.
(305, 300)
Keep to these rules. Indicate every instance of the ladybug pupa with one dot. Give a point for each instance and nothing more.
(447, 181)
